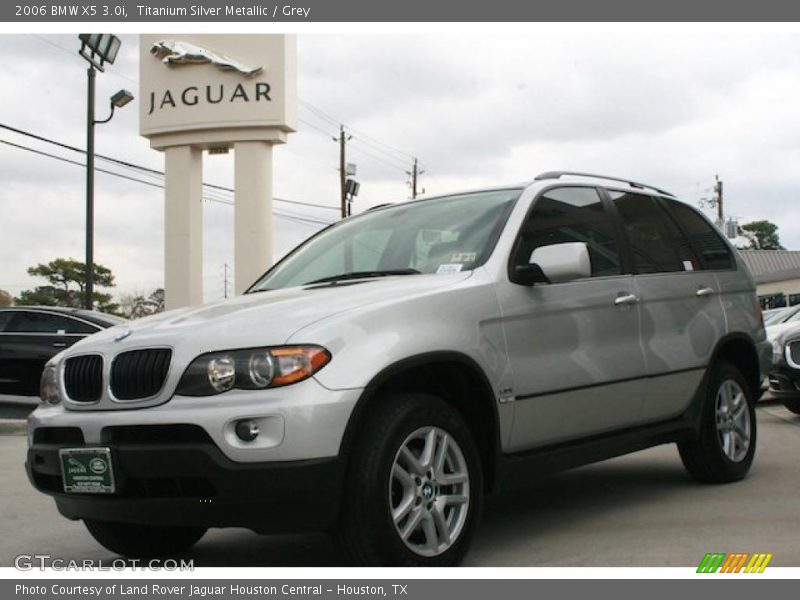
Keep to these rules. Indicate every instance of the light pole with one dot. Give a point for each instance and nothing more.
(98, 49)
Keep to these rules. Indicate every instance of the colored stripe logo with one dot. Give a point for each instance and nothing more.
(737, 562)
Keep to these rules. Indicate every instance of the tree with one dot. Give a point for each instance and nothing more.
(137, 305)
(763, 235)
(6, 299)
(66, 278)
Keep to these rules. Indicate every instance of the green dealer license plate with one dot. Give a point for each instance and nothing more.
(87, 470)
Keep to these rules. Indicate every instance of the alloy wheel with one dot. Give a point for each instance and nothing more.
(429, 491)
(733, 420)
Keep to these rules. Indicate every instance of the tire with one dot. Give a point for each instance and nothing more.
(792, 404)
(723, 453)
(143, 541)
(382, 478)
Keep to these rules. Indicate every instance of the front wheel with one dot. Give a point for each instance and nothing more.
(143, 541)
(414, 488)
(724, 449)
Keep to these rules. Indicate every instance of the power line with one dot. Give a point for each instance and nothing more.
(358, 133)
(377, 141)
(378, 158)
(79, 164)
(319, 129)
(130, 165)
(207, 196)
(70, 53)
(318, 111)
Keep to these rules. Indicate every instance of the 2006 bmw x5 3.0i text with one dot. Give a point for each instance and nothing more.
(398, 366)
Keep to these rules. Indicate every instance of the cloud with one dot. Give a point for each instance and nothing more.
(673, 110)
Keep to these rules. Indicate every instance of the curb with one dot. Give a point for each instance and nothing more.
(13, 427)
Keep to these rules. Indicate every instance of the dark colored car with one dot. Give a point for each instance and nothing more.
(32, 335)
(784, 376)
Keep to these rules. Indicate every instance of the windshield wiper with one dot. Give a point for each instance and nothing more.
(363, 275)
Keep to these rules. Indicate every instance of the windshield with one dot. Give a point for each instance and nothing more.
(442, 235)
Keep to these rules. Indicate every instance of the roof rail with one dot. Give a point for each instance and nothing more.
(635, 184)
(377, 206)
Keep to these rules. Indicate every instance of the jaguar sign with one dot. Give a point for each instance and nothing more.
(219, 93)
(172, 52)
(199, 85)
(212, 94)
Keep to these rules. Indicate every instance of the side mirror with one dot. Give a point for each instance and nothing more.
(560, 263)
(529, 275)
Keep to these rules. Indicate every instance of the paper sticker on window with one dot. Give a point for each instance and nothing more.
(688, 266)
(464, 257)
(449, 268)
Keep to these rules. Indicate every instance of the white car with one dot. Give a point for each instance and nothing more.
(399, 365)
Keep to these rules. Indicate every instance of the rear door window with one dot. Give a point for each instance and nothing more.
(714, 252)
(656, 243)
(46, 323)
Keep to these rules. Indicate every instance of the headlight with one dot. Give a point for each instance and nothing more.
(251, 369)
(48, 388)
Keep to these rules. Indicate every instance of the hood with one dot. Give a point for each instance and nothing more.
(265, 318)
(784, 332)
(781, 329)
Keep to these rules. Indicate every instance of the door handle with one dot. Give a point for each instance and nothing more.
(59, 345)
(705, 291)
(625, 299)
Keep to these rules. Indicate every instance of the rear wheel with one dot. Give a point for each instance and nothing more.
(414, 487)
(143, 541)
(724, 449)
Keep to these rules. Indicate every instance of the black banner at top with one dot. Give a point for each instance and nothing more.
(204, 11)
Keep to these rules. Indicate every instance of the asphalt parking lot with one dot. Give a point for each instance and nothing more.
(638, 510)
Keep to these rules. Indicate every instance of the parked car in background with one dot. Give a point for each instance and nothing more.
(784, 319)
(32, 335)
(773, 314)
(784, 377)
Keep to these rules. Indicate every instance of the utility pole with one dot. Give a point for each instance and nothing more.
(98, 49)
(88, 300)
(342, 139)
(415, 173)
(225, 281)
(718, 198)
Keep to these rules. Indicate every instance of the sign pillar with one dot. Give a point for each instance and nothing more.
(216, 92)
(183, 227)
(253, 212)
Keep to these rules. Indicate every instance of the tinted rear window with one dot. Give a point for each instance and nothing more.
(657, 245)
(46, 323)
(714, 252)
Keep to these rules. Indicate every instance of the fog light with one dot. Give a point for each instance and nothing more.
(247, 430)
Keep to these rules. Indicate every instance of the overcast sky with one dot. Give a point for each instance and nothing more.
(668, 110)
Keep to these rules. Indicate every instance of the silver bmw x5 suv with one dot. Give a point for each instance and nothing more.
(398, 366)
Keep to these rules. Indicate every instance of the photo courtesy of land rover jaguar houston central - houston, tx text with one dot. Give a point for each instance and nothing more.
(398, 366)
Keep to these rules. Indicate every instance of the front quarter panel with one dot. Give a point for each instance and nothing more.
(464, 318)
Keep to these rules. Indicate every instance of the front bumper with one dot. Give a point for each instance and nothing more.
(181, 463)
(784, 381)
(297, 422)
(190, 482)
